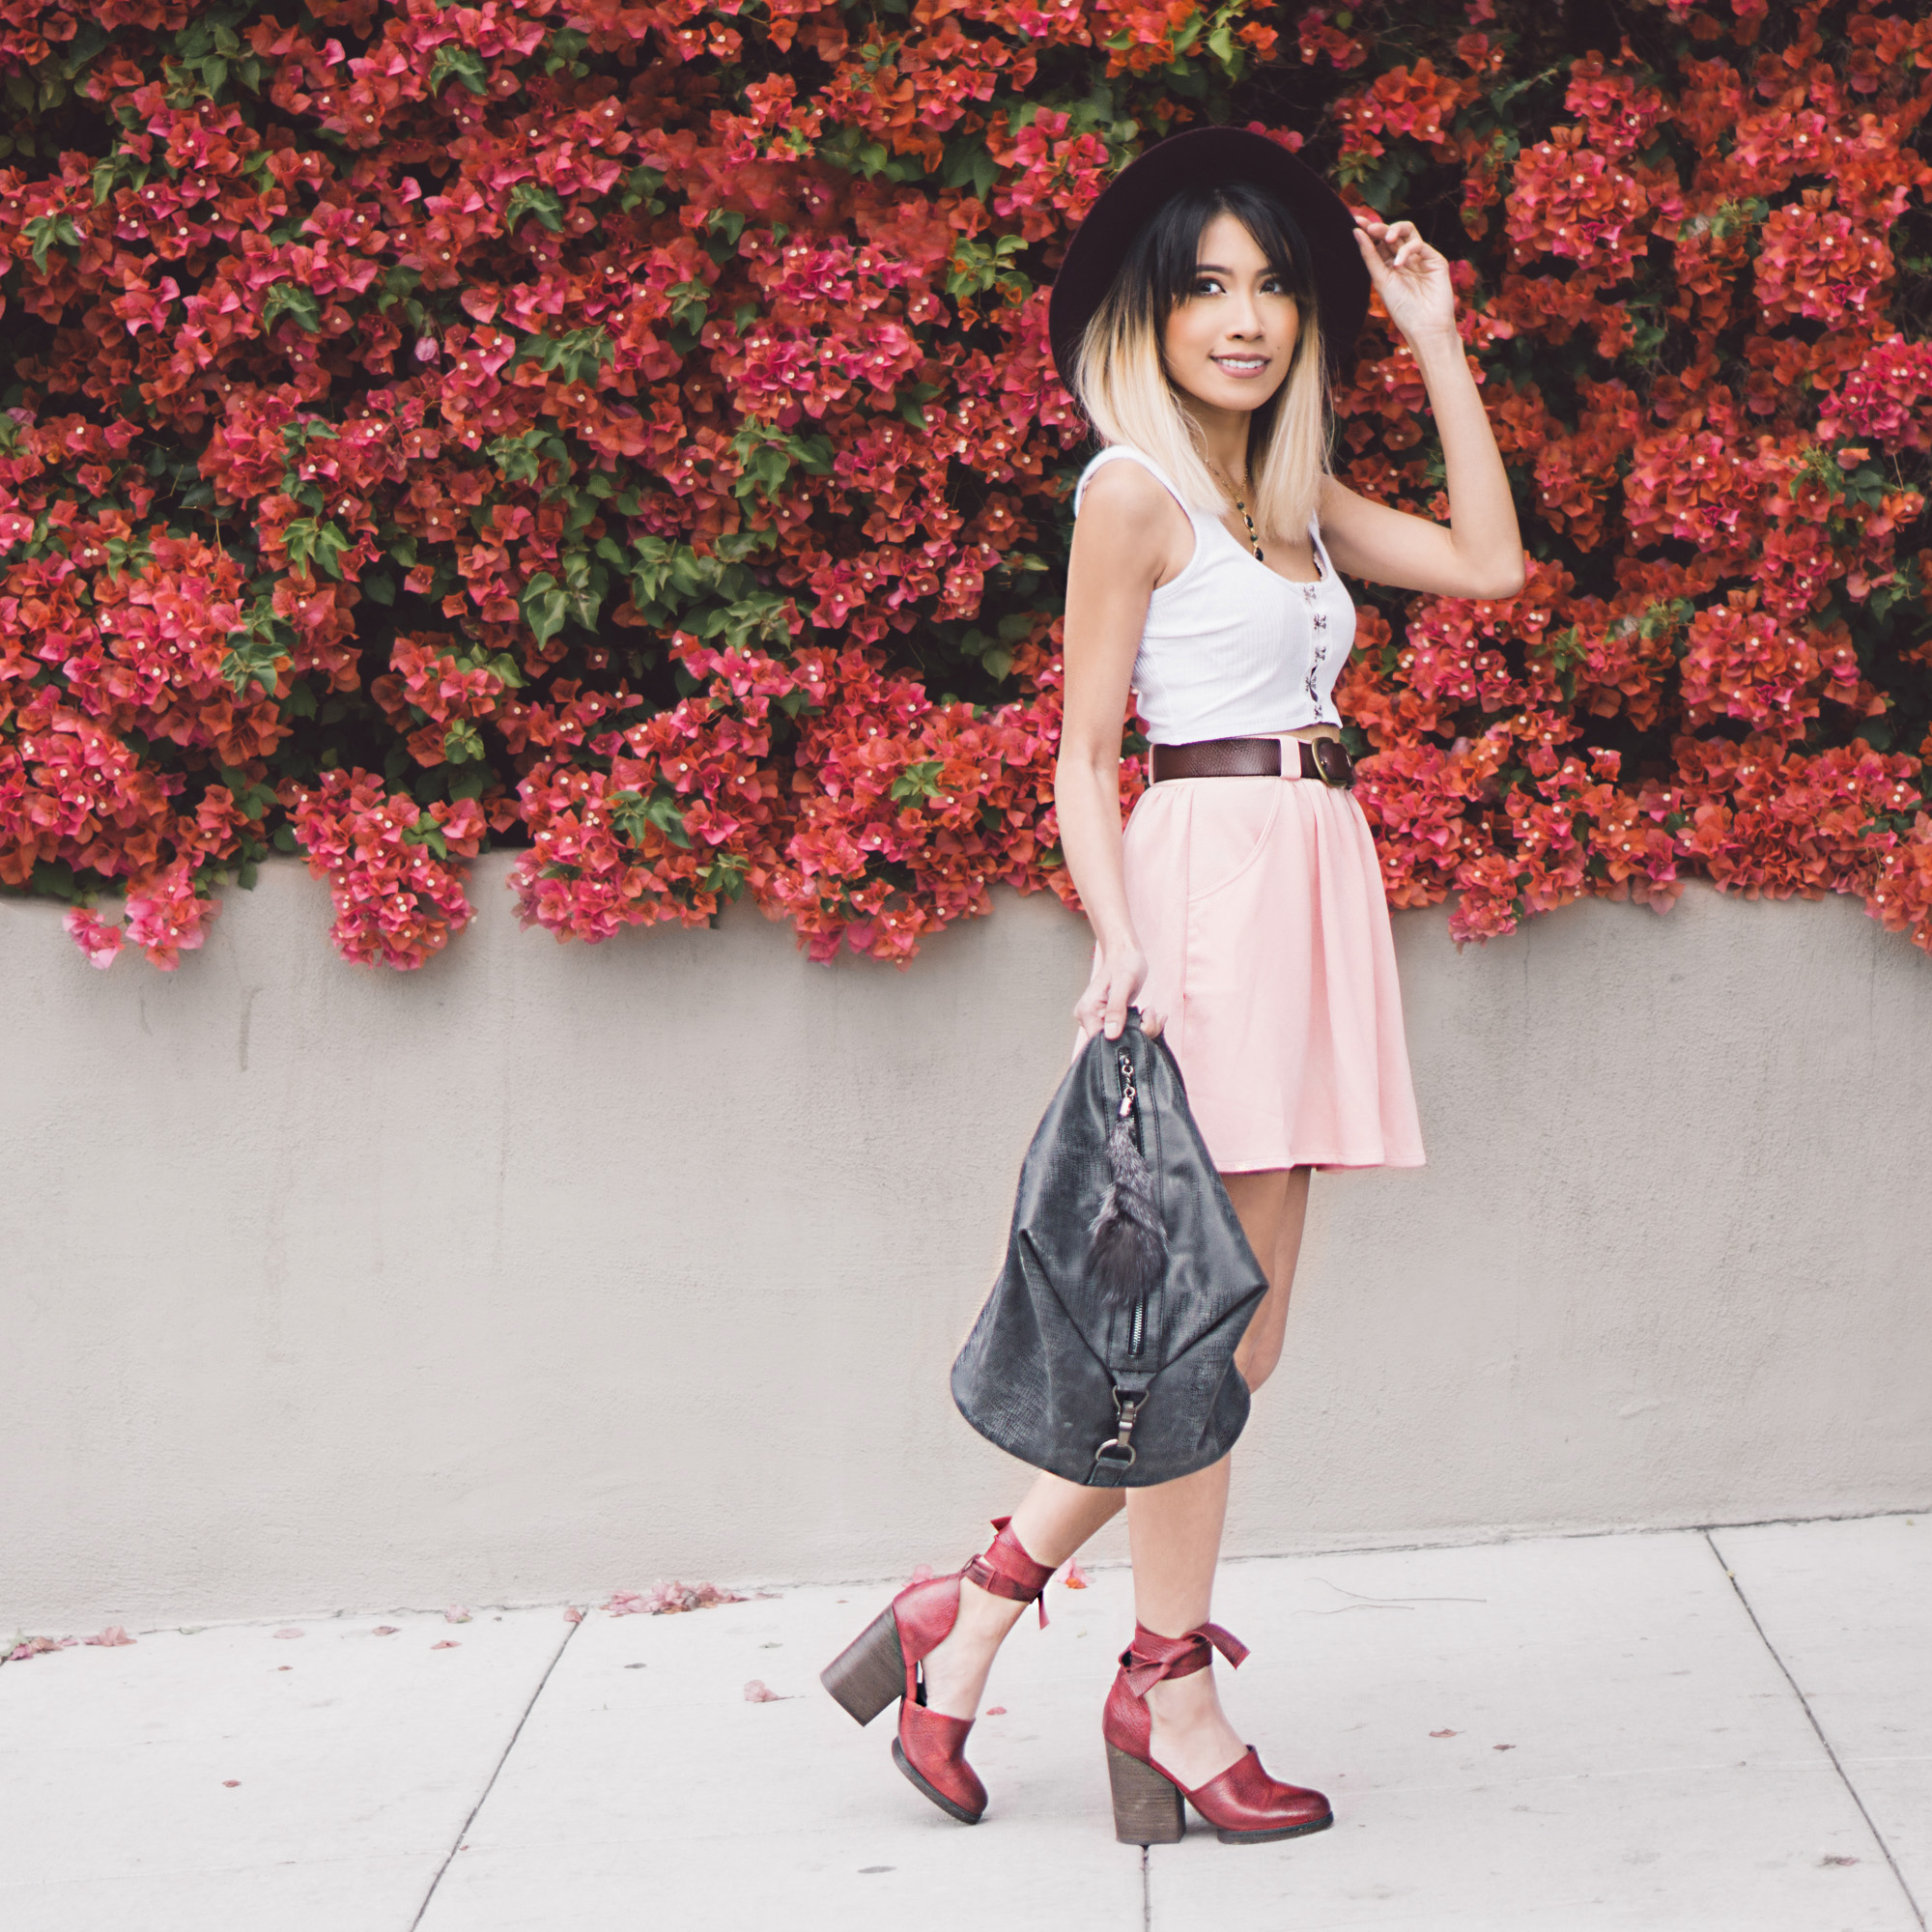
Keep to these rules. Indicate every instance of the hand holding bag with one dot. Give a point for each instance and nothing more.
(1106, 1349)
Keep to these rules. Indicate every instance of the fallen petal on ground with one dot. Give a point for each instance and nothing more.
(670, 1599)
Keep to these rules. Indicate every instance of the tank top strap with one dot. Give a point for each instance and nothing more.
(1321, 550)
(1112, 453)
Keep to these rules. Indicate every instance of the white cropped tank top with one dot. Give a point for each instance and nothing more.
(1231, 649)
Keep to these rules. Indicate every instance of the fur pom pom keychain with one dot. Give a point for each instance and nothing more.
(1128, 1256)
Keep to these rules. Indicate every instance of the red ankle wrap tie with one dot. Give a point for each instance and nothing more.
(1150, 1656)
(1006, 1570)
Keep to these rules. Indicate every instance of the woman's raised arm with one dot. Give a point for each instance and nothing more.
(1479, 552)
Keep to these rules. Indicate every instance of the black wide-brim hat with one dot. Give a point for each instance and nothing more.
(1208, 158)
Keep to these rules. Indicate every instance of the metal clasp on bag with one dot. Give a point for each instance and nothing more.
(1130, 1093)
(1118, 1453)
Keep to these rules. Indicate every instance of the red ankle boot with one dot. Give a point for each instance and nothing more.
(884, 1664)
(1243, 1803)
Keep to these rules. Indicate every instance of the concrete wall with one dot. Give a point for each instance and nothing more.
(549, 1270)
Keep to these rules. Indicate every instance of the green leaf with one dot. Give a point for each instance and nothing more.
(689, 303)
(918, 781)
(379, 589)
(466, 64)
(293, 300)
(768, 455)
(632, 814)
(544, 605)
(427, 833)
(969, 165)
(396, 284)
(89, 38)
(576, 356)
(44, 231)
(311, 543)
(533, 198)
(251, 660)
(518, 457)
(641, 184)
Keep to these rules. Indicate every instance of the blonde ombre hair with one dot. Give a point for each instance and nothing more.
(1128, 396)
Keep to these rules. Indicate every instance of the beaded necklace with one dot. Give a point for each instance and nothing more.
(1254, 536)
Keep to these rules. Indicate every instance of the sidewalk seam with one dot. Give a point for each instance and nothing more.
(1811, 1718)
(496, 1771)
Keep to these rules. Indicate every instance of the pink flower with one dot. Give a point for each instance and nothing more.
(100, 941)
(167, 918)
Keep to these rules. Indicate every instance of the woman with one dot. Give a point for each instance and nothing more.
(1194, 317)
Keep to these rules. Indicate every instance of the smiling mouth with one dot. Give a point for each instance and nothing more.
(1241, 365)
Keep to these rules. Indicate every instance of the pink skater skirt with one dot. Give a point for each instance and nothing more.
(1259, 903)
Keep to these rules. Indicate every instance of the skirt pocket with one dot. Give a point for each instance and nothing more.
(1229, 821)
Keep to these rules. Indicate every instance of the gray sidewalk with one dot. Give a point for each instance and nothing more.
(1652, 1731)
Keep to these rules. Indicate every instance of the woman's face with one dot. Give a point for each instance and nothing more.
(1229, 342)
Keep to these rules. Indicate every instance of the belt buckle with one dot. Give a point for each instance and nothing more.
(1333, 765)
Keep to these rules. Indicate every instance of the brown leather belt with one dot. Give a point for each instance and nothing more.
(1323, 759)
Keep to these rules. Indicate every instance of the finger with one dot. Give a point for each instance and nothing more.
(1152, 1023)
(1116, 1013)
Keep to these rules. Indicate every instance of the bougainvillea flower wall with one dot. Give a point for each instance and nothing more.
(623, 430)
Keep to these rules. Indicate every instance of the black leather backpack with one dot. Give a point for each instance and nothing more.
(1106, 1349)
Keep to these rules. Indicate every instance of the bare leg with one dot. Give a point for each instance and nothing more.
(1055, 1518)
(1175, 1531)
(1272, 1208)
(1175, 1528)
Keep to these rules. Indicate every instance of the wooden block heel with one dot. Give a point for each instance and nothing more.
(1243, 1803)
(1149, 1809)
(870, 1674)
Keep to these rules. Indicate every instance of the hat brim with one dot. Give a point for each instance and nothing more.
(1208, 158)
